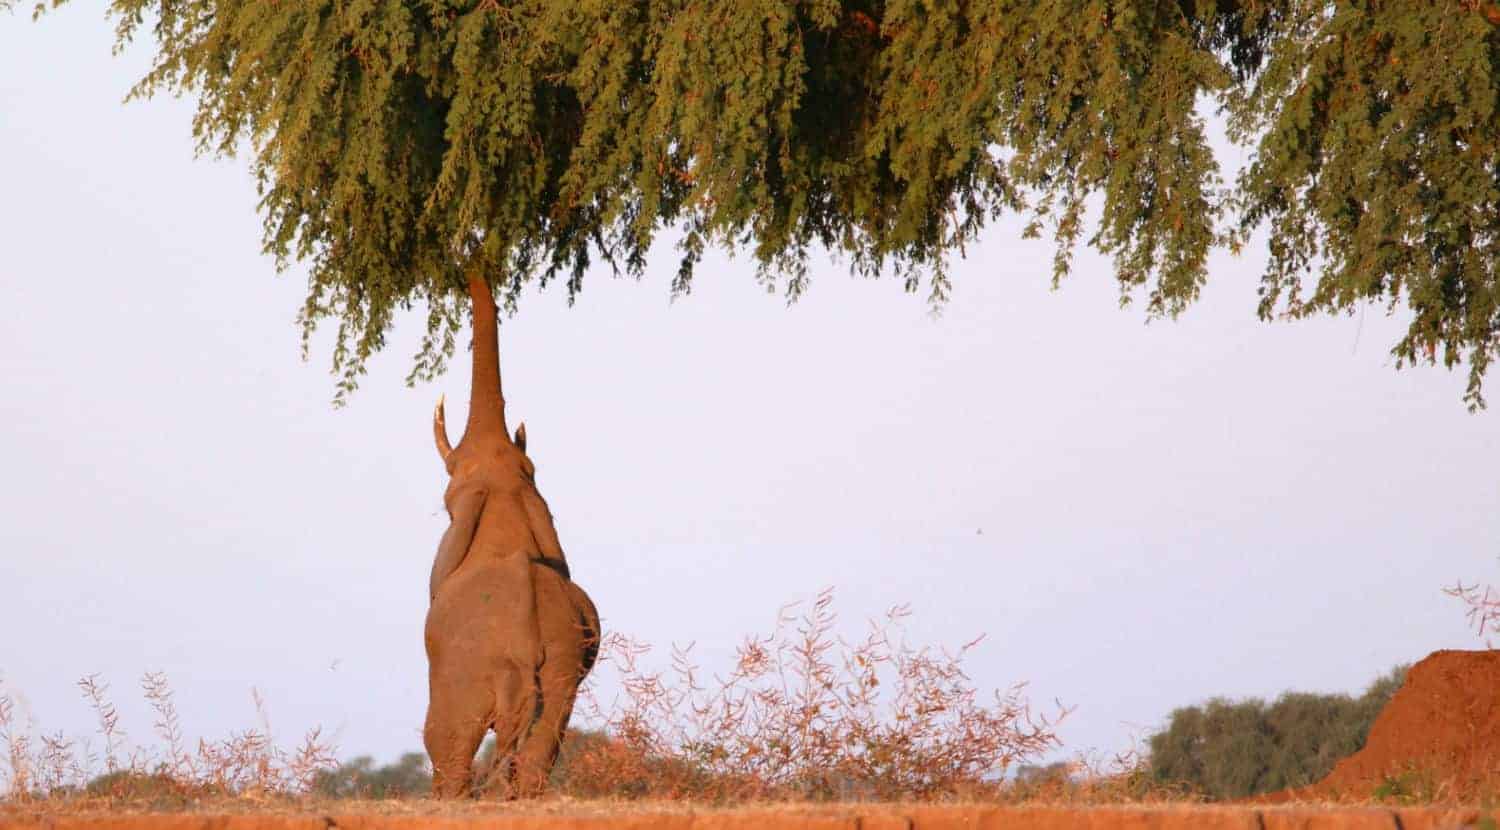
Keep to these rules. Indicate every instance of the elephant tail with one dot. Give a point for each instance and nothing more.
(588, 620)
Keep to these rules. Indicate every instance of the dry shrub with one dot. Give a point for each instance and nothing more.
(803, 714)
(246, 764)
(1483, 606)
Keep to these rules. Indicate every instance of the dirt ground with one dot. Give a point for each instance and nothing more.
(838, 817)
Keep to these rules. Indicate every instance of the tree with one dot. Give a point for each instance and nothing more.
(400, 146)
(1227, 749)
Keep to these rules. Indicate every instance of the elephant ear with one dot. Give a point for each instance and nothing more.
(539, 521)
(457, 539)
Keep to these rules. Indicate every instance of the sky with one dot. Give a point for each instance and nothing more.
(1137, 516)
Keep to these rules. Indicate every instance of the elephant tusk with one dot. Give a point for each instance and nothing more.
(440, 430)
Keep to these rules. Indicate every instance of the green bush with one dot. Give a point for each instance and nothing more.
(1232, 749)
(360, 778)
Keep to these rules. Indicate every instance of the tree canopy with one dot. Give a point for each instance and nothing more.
(399, 144)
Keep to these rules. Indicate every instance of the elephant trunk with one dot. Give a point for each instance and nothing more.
(486, 402)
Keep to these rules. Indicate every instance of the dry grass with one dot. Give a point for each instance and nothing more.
(58, 770)
(804, 715)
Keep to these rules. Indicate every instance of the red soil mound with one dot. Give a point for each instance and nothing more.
(1438, 737)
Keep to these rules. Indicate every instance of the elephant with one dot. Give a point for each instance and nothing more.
(509, 635)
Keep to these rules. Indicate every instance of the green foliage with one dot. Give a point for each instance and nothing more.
(1377, 170)
(132, 783)
(1035, 779)
(1407, 787)
(360, 778)
(400, 143)
(1225, 749)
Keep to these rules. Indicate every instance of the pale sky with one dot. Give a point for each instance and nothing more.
(1211, 506)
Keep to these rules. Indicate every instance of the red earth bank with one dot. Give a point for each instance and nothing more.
(1438, 737)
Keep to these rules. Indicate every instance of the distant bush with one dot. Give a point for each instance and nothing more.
(360, 778)
(1227, 749)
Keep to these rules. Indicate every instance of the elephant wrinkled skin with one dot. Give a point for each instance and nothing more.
(509, 635)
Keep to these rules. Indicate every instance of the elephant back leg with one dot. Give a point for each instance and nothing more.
(458, 716)
(484, 648)
(538, 751)
(567, 641)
